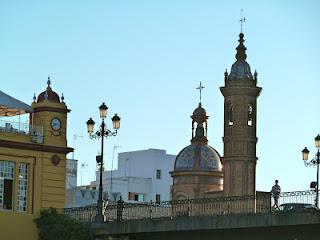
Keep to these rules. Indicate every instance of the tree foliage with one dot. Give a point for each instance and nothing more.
(55, 226)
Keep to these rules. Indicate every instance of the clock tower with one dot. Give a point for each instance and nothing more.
(50, 111)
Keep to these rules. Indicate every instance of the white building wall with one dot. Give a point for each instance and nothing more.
(136, 173)
(71, 173)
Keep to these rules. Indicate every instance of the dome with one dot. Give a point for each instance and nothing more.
(48, 94)
(199, 111)
(51, 96)
(198, 157)
(240, 69)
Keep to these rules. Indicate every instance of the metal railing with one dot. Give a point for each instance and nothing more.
(260, 203)
(22, 128)
(305, 197)
(84, 214)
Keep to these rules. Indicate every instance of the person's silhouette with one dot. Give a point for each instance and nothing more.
(275, 192)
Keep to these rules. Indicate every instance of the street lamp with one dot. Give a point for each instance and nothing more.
(313, 162)
(102, 133)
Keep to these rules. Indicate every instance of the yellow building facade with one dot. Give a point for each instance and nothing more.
(32, 163)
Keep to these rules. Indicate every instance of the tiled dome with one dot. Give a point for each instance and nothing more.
(198, 157)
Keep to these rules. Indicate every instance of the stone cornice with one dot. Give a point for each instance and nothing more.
(35, 147)
(196, 173)
(51, 109)
(241, 91)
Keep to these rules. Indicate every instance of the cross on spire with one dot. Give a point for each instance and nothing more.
(200, 89)
(242, 19)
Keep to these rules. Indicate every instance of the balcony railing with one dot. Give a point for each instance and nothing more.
(261, 203)
(23, 129)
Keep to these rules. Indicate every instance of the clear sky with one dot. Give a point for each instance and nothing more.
(145, 59)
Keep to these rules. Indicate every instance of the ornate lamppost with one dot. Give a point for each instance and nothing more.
(102, 133)
(313, 162)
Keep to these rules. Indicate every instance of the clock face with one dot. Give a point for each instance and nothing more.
(56, 124)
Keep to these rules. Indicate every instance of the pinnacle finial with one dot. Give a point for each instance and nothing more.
(255, 75)
(62, 97)
(226, 75)
(34, 97)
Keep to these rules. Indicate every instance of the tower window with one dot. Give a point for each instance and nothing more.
(158, 174)
(230, 115)
(250, 115)
(158, 198)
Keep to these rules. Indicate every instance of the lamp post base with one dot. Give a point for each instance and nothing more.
(99, 218)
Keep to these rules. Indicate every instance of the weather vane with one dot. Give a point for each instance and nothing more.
(242, 19)
(200, 89)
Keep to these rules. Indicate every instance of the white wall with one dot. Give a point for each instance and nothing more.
(136, 172)
(71, 173)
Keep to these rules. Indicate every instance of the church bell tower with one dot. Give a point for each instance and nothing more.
(240, 123)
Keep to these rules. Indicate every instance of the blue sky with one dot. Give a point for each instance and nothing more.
(145, 59)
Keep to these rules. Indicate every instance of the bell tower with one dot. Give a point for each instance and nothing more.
(240, 123)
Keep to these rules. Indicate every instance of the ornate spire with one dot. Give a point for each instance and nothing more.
(240, 69)
(199, 117)
(241, 49)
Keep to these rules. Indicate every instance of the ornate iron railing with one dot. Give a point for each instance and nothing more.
(261, 203)
(306, 197)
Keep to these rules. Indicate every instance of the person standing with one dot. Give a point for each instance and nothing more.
(120, 205)
(275, 192)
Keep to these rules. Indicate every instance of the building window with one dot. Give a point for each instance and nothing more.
(139, 197)
(23, 187)
(158, 198)
(158, 174)
(250, 115)
(9, 178)
(230, 114)
(6, 184)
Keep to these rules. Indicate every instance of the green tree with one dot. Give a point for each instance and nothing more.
(55, 226)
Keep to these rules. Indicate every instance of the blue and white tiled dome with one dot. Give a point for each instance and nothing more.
(198, 157)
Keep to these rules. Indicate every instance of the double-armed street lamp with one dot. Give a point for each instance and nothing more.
(102, 133)
(313, 162)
